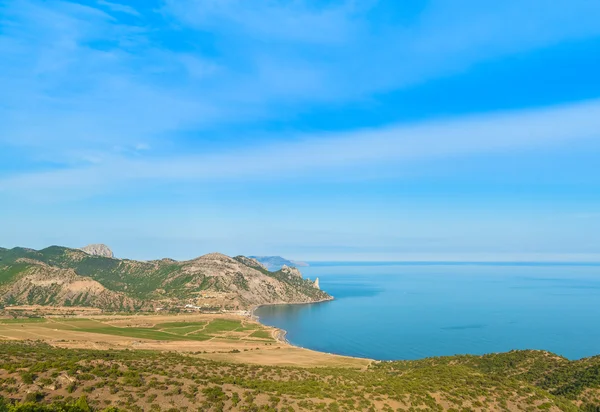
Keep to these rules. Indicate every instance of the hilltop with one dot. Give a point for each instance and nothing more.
(277, 262)
(60, 276)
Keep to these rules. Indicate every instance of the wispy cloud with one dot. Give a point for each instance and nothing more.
(276, 21)
(119, 7)
(87, 78)
(352, 56)
(386, 150)
(84, 87)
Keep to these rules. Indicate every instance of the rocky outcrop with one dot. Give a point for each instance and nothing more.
(317, 284)
(291, 271)
(98, 250)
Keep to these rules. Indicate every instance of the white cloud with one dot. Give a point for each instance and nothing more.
(326, 156)
(78, 81)
(78, 78)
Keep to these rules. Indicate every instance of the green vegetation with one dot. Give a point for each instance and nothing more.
(23, 320)
(184, 330)
(170, 331)
(9, 272)
(168, 325)
(222, 325)
(148, 380)
(137, 286)
(81, 405)
(261, 334)
(140, 333)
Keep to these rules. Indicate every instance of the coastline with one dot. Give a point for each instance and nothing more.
(281, 334)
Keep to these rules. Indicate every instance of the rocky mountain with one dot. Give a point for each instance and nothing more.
(98, 250)
(277, 262)
(61, 276)
(291, 271)
(253, 263)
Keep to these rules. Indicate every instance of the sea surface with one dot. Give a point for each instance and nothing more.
(409, 311)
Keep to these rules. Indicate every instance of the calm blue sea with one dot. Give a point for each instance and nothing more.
(410, 311)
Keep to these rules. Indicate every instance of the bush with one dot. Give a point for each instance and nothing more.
(34, 397)
(213, 394)
(3, 404)
(28, 377)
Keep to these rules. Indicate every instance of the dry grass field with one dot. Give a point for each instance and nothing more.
(230, 338)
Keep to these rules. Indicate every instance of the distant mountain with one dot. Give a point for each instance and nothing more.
(277, 262)
(61, 276)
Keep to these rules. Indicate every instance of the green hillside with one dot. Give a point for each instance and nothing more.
(146, 380)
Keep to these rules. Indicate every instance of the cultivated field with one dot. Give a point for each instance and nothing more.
(229, 338)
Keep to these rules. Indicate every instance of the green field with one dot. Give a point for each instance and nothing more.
(179, 324)
(168, 331)
(183, 330)
(200, 336)
(140, 333)
(261, 334)
(26, 320)
(222, 325)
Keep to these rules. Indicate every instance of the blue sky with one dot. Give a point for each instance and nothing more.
(317, 130)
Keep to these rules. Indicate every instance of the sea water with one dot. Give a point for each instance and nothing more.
(409, 311)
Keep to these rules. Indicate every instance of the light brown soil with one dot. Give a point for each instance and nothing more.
(274, 353)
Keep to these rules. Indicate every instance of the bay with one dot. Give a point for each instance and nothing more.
(391, 311)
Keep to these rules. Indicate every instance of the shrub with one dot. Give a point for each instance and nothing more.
(27, 377)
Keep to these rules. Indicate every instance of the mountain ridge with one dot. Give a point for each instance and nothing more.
(60, 276)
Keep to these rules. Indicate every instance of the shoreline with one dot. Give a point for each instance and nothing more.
(281, 334)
